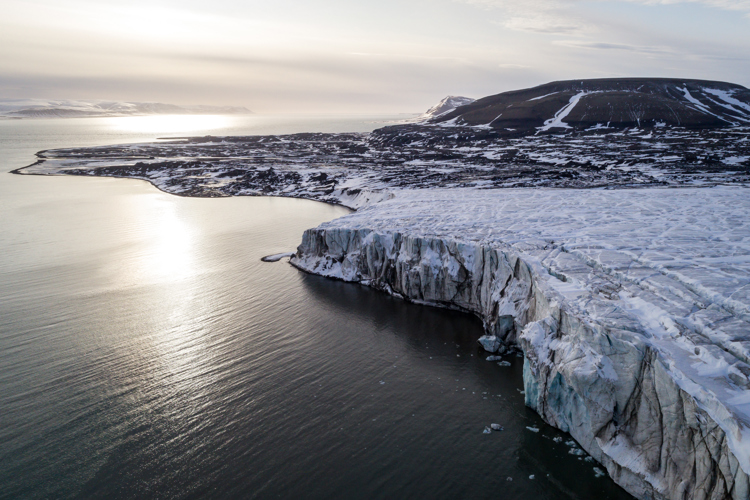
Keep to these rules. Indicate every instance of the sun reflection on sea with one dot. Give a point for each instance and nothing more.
(171, 249)
(160, 241)
(168, 124)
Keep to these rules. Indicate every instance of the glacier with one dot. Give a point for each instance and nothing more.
(631, 308)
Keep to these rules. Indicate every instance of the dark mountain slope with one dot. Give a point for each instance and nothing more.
(614, 102)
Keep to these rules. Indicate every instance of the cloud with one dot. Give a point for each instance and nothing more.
(742, 5)
(511, 5)
(559, 16)
(542, 24)
(580, 44)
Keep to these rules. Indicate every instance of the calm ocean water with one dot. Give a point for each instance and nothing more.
(147, 352)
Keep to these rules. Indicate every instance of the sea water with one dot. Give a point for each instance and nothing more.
(147, 352)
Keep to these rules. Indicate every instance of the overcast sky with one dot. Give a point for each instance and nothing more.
(348, 56)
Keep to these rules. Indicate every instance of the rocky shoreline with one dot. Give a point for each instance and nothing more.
(339, 168)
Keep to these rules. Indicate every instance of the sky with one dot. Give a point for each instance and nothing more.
(335, 56)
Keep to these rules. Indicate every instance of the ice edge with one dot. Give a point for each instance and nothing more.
(576, 373)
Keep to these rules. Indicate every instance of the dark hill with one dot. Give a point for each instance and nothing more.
(612, 102)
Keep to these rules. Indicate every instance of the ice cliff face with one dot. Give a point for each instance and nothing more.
(629, 307)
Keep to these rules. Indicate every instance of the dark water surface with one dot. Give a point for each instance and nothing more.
(147, 352)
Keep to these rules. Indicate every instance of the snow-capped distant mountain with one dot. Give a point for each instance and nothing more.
(446, 105)
(608, 103)
(64, 108)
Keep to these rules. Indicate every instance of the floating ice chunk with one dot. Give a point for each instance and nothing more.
(509, 478)
(494, 358)
(531, 476)
(532, 429)
(571, 443)
(491, 343)
(496, 427)
(589, 459)
(276, 257)
(577, 452)
(381, 382)
(486, 430)
(598, 472)
(503, 363)
(558, 439)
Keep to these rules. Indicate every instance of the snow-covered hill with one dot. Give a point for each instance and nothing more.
(47, 108)
(446, 105)
(608, 103)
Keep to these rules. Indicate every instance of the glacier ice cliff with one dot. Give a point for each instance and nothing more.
(631, 307)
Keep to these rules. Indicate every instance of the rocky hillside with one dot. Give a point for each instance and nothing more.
(608, 103)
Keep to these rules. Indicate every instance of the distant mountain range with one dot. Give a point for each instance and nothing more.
(48, 108)
(605, 103)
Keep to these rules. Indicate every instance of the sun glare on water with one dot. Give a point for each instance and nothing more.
(168, 124)
(160, 243)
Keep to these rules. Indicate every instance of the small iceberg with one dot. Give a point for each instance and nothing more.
(496, 427)
(487, 430)
(532, 429)
(491, 343)
(276, 257)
